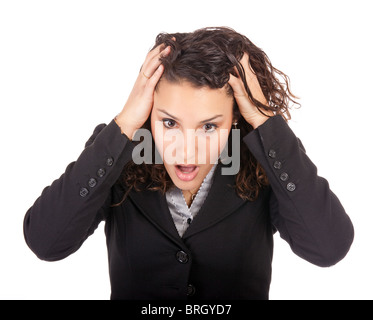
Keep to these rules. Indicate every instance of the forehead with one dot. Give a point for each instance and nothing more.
(183, 98)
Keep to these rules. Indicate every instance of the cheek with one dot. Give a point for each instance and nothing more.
(220, 142)
(211, 150)
(169, 143)
(212, 145)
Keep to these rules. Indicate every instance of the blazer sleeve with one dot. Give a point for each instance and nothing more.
(70, 209)
(304, 210)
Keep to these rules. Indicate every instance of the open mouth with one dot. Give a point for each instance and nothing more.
(186, 173)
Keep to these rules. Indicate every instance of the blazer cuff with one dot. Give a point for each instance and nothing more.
(275, 145)
(103, 159)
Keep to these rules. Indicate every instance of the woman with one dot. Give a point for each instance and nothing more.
(183, 227)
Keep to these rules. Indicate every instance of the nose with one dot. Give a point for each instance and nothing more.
(194, 148)
(186, 149)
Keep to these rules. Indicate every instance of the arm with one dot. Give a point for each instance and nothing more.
(70, 209)
(304, 210)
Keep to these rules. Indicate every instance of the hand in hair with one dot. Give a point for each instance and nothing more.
(140, 101)
(247, 108)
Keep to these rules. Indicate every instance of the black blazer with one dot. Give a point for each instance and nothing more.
(226, 253)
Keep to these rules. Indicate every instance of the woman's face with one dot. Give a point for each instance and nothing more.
(190, 127)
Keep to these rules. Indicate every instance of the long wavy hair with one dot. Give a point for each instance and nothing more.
(205, 58)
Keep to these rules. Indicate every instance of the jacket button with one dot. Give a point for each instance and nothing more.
(101, 172)
(83, 192)
(291, 186)
(182, 257)
(277, 165)
(191, 290)
(92, 182)
(284, 176)
(109, 162)
(272, 153)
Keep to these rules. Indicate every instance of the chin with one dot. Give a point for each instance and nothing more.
(186, 186)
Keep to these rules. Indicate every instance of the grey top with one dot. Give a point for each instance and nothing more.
(180, 212)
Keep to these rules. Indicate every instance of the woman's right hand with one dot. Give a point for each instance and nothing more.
(140, 101)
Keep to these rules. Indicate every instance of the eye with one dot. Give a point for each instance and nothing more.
(210, 127)
(169, 123)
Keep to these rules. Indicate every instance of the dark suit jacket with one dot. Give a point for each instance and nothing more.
(226, 253)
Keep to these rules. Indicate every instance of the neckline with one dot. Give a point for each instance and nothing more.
(208, 178)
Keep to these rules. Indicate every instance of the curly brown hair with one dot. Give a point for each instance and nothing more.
(205, 58)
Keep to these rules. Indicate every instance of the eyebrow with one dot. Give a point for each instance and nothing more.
(203, 121)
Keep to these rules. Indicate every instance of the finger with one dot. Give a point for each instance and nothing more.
(237, 86)
(155, 51)
(153, 61)
(252, 80)
(158, 50)
(151, 66)
(152, 82)
(237, 74)
(246, 64)
(151, 54)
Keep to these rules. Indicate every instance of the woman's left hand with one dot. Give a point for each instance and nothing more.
(248, 110)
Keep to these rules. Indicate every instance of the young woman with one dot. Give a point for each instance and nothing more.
(184, 227)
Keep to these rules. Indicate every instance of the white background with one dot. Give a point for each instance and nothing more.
(66, 66)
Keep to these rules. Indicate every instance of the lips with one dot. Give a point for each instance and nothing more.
(186, 172)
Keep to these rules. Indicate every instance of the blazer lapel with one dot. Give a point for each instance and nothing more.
(221, 201)
(153, 205)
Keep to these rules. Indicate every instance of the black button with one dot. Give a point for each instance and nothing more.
(92, 182)
(291, 186)
(191, 290)
(189, 220)
(109, 162)
(272, 153)
(83, 192)
(101, 172)
(277, 165)
(284, 176)
(182, 257)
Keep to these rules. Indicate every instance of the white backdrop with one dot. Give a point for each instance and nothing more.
(66, 66)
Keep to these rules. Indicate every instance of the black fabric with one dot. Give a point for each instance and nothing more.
(226, 253)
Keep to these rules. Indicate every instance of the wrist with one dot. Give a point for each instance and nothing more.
(261, 117)
(258, 122)
(124, 127)
(258, 119)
